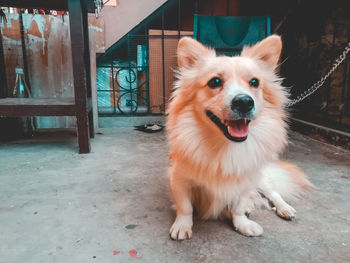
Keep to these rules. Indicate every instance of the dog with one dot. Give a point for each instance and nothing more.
(226, 126)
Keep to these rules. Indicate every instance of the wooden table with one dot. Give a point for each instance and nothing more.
(80, 105)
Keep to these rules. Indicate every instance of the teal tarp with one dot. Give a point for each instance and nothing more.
(229, 34)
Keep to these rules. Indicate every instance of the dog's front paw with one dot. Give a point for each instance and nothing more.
(247, 227)
(286, 211)
(182, 228)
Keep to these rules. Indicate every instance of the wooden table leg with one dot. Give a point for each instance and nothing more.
(77, 17)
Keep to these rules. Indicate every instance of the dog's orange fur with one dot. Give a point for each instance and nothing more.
(208, 171)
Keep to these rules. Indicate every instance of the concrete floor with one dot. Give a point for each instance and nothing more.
(113, 205)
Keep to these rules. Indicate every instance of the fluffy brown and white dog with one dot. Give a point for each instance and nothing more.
(226, 128)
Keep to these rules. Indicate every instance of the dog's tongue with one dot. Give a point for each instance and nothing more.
(238, 128)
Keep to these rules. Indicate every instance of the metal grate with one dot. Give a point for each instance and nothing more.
(135, 76)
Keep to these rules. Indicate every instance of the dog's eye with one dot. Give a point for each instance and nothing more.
(254, 83)
(215, 82)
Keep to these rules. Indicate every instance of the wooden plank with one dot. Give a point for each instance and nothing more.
(45, 4)
(20, 107)
(37, 4)
(37, 101)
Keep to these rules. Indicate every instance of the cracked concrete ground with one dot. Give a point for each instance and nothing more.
(112, 205)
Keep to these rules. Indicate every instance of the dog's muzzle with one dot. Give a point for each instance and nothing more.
(236, 128)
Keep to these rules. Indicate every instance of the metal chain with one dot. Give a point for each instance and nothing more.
(319, 83)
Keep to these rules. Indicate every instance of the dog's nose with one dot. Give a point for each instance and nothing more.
(242, 103)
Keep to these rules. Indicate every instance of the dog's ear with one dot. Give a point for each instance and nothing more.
(189, 51)
(267, 50)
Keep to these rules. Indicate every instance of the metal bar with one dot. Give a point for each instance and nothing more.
(113, 87)
(3, 79)
(344, 93)
(346, 90)
(163, 62)
(330, 77)
(212, 7)
(147, 91)
(129, 71)
(347, 86)
(24, 52)
(105, 90)
(318, 68)
(307, 63)
(159, 36)
(196, 7)
(147, 71)
(227, 7)
(346, 82)
(178, 18)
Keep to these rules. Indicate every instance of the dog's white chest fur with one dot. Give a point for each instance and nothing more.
(228, 196)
